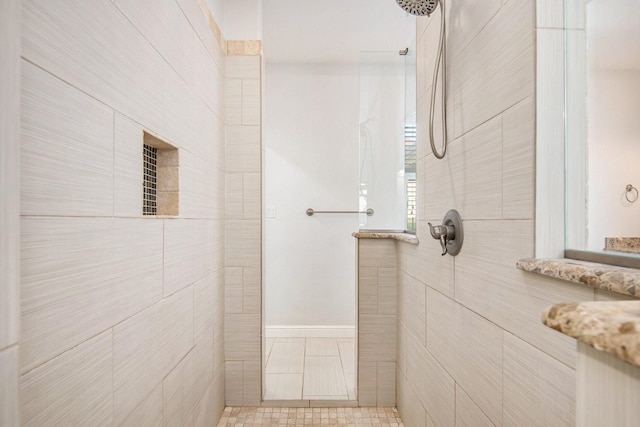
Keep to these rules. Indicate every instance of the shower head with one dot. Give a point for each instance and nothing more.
(418, 7)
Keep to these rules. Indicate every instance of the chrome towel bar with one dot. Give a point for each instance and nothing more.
(310, 212)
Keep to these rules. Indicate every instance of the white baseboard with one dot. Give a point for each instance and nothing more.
(300, 331)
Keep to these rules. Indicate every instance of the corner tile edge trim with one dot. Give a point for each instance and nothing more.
(399, 236)
(610, 327)
(625, 281)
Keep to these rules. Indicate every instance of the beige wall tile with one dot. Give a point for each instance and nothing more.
(209, 79)
(149, 412)
(412, 302)
(233, 290)
(242, 67)
(377, 253)
(538, 390)
(368, 290)
(242, 337)
(252, 290)
(73, 388)
(367, 383)
(410, 408)
(211, 405)
(233, 101)
(550, 128)
(243, 153)
(234, 196)
(425, 263)
(251, 383)
(243, 243)
(50, 33)
(233, 383)
(162, 23)
(10, 140)
(9, 387)
(252, 195)
(386, 384)
(81, 276)
(251, 101)
(377, 338)
(66, 150)
(549, 14)
(433, 386)
(469, 347)
(518, 161)
(147, 346)
(188, 249)
(127, 167)
(495, 70)
(387, 290)
(488, 283)
(471, 179)
(468, 414)
(466, 21)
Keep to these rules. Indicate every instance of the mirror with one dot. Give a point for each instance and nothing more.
(602, 126)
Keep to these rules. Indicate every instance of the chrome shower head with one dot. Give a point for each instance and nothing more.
(418, 7)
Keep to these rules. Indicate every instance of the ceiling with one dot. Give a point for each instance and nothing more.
(333, 31)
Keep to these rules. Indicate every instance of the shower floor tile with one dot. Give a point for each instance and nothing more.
(358, 417)
(310, 369)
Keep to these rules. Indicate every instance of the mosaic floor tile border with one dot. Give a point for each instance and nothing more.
(355, 417)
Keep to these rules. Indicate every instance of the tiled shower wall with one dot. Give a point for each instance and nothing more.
(243, 250)
(9, 210)
(471, 348)
(121, 316)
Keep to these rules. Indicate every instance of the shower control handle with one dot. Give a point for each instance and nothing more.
(443, 233)
(449, 234)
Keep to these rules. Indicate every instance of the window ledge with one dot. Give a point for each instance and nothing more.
(395, 235)
(625, 281)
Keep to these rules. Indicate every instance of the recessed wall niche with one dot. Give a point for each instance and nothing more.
(161, 177)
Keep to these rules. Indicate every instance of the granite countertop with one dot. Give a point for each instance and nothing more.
(622, 244)
(611, 327)
(396, 235)
(622, 280)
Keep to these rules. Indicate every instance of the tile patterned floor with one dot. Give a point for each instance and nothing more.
(356, 417)
(310, 369)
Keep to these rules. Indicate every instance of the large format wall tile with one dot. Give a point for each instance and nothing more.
(488, 283)
(148, 413)
(434, 387)
(495, 70)
(538, 390)
(75, 388)
(147, 346)
(412, 303)
(9, 387)
(165, 27)
(10, 141)
(188, 250)
(67, 149)
(469, 179)
(468, 414)
(79, 45)
(518, 161)
(469, 347)
(81, 276)
(243, 152)
(243, 243)
(127, 167)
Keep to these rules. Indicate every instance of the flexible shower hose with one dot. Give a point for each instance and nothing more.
(441, 53)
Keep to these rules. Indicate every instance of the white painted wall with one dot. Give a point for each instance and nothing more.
(614, 154)
(242, 19)
(613, 102)
(311, 161)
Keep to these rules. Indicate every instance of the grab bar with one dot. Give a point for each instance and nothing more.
(310, 212)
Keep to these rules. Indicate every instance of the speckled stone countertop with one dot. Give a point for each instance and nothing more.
(622, 280)
(611, 327)
(396, 235)
(629, 245)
